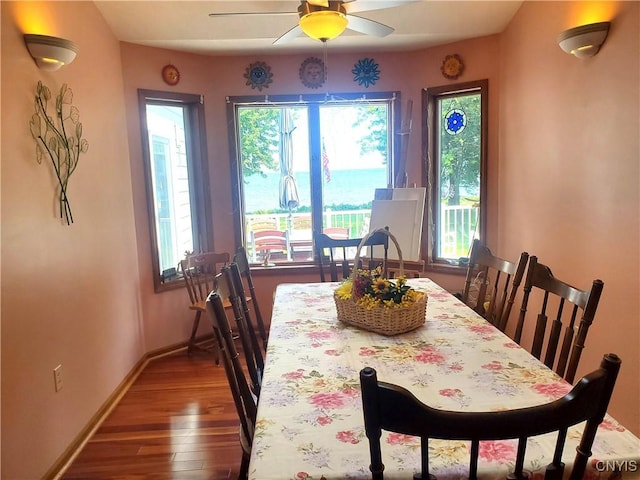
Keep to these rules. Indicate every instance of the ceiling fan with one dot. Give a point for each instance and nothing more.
(327, 19)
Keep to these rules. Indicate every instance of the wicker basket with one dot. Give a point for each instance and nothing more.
(383, 320)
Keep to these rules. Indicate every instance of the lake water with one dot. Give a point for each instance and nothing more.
(345, 187)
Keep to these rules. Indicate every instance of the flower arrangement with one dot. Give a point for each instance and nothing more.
(369, 289)
(369, 301)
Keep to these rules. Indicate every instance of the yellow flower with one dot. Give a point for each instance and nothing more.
(380, 285)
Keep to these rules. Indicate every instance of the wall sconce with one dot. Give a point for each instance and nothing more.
(50, 53)
(584, 41)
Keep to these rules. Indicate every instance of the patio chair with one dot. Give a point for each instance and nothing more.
(337, 233)
(393, 408)
(267, 242)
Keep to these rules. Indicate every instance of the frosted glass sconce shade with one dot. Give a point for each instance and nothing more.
(584, 41)
(50, 53)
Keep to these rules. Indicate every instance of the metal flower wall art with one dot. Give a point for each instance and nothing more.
(366, 72)
(58, 137)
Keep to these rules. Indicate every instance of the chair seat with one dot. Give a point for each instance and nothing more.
(202, 304)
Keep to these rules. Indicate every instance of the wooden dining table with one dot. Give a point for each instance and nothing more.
(310, 422)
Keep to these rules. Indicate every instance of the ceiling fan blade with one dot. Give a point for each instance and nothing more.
(355, 6)
(368, 27)
(234, 14)
(288, 36)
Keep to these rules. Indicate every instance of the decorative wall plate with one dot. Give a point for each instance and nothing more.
(258, 75)
(312, 72)
(452, 66)
(170, 75)
(366, 72)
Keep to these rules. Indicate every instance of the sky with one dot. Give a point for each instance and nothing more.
(342, 142)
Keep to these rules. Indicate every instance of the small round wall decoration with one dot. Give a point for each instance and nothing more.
(454, 121)
(170, 75)
(312, 72)
(366, 72)
(452, 66)
(258, 75)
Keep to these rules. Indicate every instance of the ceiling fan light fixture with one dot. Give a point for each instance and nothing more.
(324, 24)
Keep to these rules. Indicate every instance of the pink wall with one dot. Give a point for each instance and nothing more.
(551, 121)
(69, 293)
(569, 170)
(166, 317)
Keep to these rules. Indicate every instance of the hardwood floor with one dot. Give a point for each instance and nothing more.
(177, 421)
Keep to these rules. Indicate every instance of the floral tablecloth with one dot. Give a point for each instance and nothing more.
(310, 423)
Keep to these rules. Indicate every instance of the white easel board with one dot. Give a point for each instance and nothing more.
(419, 194)
(399, 216)
(403, 215)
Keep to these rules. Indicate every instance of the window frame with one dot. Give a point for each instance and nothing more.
(234, 102)
(198, 173)
(431, 167)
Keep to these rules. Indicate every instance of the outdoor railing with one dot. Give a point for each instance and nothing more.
(459, 229)
(459, 224)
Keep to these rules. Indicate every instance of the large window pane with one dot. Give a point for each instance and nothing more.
(170, 181)
(306, 167)
(354, 163)
(177, 195)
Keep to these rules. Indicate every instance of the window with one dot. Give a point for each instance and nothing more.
(176, 175)
(455, 132)
(308, 164)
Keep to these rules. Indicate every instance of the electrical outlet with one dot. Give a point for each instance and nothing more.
(57, 378)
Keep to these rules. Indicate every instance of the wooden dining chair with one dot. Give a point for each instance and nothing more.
(244, 401)
(574, 308)
(199, 271)
(393, 408)
(491, 283)
(228, 286)
(338, 260)
(242, 261)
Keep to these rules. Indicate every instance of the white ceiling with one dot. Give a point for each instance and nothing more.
(187, 26)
